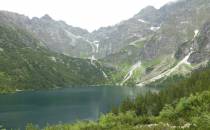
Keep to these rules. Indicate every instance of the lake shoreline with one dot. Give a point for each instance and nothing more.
(64, 105)
(12, 91)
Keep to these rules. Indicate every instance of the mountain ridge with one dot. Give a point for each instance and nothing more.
(26, 65)
(157, 38)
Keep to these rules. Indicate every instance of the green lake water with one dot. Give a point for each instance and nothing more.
(61, 105)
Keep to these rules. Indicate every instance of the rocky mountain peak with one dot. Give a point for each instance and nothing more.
(152, 36)
(148, 9)
(149, 14)
(46, 17)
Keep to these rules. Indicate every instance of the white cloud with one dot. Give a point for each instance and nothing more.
(89, 14)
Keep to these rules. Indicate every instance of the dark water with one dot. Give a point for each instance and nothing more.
(61, 105)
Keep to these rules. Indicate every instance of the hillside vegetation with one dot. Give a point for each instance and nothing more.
(26, 64)
(183, 105)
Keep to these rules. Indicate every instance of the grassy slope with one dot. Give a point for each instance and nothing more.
(130, 55)
(183, 104)
(25, 64)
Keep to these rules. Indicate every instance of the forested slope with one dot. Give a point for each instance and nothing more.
(26, 64)
(183, 105)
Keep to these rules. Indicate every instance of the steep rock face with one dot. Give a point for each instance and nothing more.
(158, 38)
(112, 39)
(55, 35)
(200, 46)
(149, 15)
(171, 25)
(61, 37)
(178, 22)
(172, 33)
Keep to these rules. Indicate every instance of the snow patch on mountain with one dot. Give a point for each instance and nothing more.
(154, 28)
(104, 74)
(92, 59)
(130, 72)
(96, 43)
(95, 49)
(143, 21)
(196, 33)
(168, 72)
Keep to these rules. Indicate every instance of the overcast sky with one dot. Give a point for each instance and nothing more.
(88, 14)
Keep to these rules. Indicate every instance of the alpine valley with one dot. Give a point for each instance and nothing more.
(148, 49)
(153, 44)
